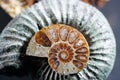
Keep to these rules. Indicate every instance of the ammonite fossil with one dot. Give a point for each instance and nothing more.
(15, 7)
(66, 49)
(73, 37)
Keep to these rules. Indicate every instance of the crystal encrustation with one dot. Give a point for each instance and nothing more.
(65, 47)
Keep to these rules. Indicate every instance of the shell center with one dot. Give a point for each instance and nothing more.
(63, 55)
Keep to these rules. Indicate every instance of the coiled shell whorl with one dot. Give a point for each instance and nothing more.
(84, 18)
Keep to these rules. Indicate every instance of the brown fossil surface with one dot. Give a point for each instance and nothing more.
(99, 3)
(14, 7)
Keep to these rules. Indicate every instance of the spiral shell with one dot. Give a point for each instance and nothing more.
(86, 19)
(65, 47)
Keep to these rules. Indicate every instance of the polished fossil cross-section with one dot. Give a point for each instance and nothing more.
(65, 47)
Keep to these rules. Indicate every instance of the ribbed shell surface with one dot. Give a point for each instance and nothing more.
(85, 18)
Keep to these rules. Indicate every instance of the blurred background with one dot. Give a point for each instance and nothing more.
(112, 12)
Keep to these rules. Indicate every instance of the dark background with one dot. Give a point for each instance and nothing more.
(112, 12)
